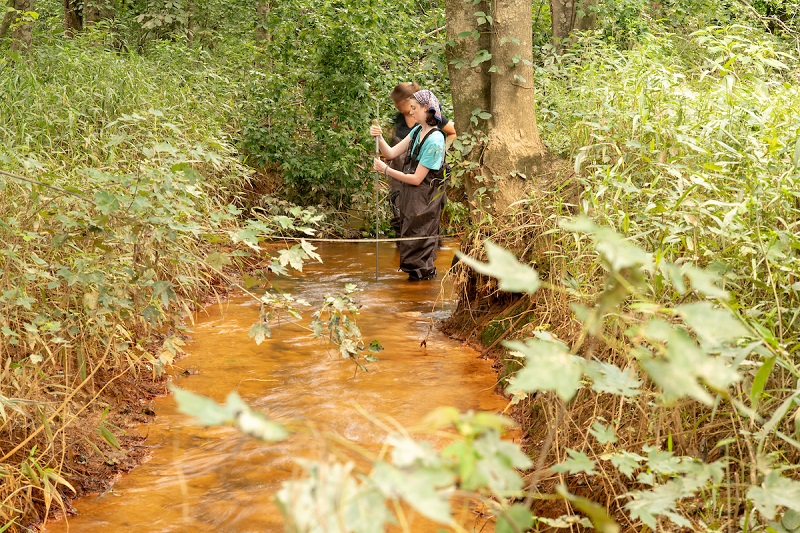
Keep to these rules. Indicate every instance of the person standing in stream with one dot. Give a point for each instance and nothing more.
(422, 184)
(403, 122)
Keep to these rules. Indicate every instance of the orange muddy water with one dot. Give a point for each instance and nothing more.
(213, 479)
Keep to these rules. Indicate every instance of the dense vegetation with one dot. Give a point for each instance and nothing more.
(665, 387)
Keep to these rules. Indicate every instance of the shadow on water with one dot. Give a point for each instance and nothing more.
(212, 479)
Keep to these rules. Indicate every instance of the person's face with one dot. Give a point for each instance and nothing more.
(417, 111)
(404, 106)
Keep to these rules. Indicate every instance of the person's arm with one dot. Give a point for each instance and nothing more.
(412, 179)
(389, 152)
(449, 131)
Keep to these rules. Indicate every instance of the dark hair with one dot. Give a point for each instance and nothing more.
(403, 91)
(431, 119)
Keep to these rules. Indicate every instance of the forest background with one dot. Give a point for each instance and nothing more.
(151, 149)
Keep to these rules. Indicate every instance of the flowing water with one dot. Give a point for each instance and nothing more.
(215, 480)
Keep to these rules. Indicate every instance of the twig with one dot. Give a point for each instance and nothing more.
(43, 184)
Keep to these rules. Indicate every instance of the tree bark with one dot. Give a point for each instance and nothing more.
(96, 10)
(73, 22)
(586, 15)
(8, 18)
(22, 34)
(568, 15)
(471, 85)
(262, 30)
(514, 152)
(562, 15)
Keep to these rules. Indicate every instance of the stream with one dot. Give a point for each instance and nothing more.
(202, 479)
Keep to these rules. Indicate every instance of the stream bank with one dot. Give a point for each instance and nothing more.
(214, 479)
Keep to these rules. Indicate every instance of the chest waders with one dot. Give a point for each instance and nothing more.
(420, 211)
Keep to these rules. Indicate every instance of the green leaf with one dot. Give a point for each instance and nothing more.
(375, 346)
(796, 156)
(548, 366)
(419, 488)
(108, 436)
(204, 410)
(704, 282)
(218, 260)
(617, 253)
(255, 424)
(713, 325)
(774, 492)
(686, 364)
(260, 331)
(309, 248)
(578, 462)
(604, 434)
(626, 462)
(481, 57)
(760, 381)
(601, 522)
(515, 519)
(648, 505)
(293, 257)
(611, 379)
(512, 276)
(791, 520)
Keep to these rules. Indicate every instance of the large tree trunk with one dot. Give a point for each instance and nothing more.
(568, 15)
(513, 152)
(562, 16)
(471, 85)
(22, 34)
(73, 23)
(586, 15)
(262, 30)
(96, 10)
(8, 18)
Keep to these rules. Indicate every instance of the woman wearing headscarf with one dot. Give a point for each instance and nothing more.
(403, 123)
(422, 185)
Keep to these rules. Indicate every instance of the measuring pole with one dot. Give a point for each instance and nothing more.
(377, 182)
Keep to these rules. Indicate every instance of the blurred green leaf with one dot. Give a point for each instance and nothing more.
(548, 367)
(512, 276)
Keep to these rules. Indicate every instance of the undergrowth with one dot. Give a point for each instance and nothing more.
(687, 146)
(121, 212)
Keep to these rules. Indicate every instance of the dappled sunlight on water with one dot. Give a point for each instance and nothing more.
(213, 479)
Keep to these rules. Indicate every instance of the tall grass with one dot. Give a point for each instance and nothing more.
(116, 174)
(687, 145)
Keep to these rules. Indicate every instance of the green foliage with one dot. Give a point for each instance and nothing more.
(337, 495)
(234, 412)
(337, 318)
(325, 70)
(116, 220)
(702, 358)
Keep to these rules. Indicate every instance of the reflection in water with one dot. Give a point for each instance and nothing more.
(214, 480)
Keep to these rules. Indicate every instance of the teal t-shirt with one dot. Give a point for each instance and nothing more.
(432, 152)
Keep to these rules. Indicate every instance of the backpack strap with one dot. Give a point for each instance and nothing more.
(415, 153)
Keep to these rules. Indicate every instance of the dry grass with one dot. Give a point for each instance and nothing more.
(551, 427)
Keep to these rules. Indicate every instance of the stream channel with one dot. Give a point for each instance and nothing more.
(202, 479)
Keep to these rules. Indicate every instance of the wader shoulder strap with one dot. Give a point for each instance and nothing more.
(415, 153)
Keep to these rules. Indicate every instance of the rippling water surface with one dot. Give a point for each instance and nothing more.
(212, 479)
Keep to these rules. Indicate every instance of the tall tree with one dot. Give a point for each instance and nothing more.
(20, 19)
(73, 21)
(96, 10)
(491, 71)
(568, 15)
